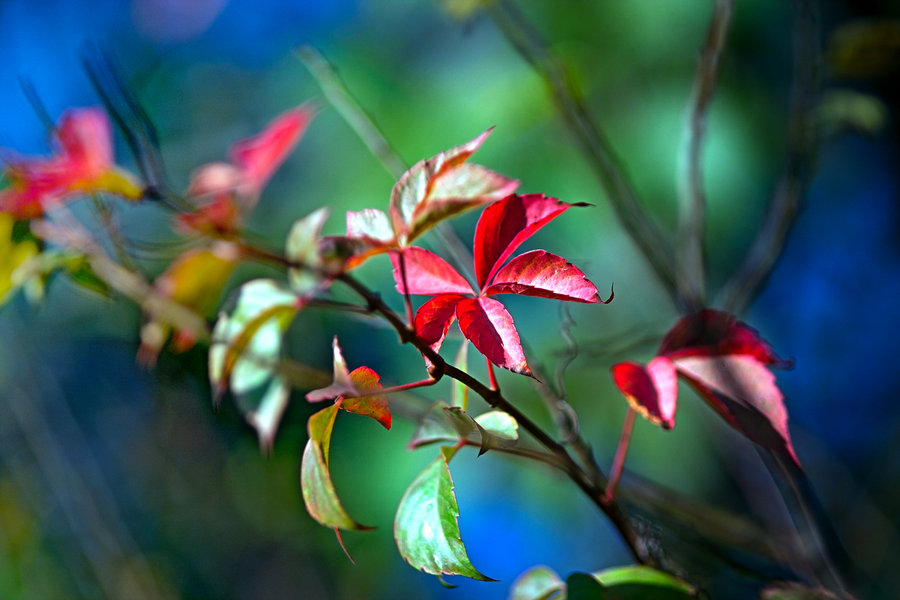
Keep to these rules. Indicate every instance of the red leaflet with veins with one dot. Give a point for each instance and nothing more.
(726, 362)
(484, 321)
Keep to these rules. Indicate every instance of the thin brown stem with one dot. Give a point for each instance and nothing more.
(797, 172)
(594, 145)
(689, 260)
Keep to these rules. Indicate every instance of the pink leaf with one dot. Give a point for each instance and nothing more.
(85, 139)
(715, 333)
(486, 323)
(259, 156)
(504, 225)
(540, 273)
(434, 318)
(743, 391)
(651, 390)
(427, 273)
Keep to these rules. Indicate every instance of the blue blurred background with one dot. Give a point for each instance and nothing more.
(116, 482)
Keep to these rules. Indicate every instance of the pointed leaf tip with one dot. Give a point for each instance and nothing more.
(426, 528)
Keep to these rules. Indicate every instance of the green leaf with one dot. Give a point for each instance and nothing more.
(246, 349)
(537, 583)
(581, 586)
(443, 423)
(639, 582)
(319, 494)
(302, 247)
(426, 528)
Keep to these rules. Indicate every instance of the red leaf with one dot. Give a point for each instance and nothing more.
(651, 390)
(365, 380)
(259, 156)
(487, 324)
(743, 391)
(434, 318)
(716, 333)
(504, 225)
(540, 273)
(427, 273)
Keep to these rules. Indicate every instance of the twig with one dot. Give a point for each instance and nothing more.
(496, 400)
(769, 241)
(602, 160)
(338, 94)
(689, 259)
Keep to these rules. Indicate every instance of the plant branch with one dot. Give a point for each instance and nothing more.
(689, 253)
(769, 242)
(601, 157)
(496, 400)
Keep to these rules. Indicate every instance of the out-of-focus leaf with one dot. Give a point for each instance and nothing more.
(637, 582)
(865, 48)
(426, 528)
(540, 273)
(716, 333)
(13, 254)
(459, 392)
(795, 591)
(246, 349)
(652, 390)
(537, 583)
(581, 586)
(319, 494)
(486, 323)
(302, 247)
(441, 186)
(79, 270)
(504, 225)
(259, 156)
(464, 9)
(743, 391)
(845, 109)
(427, 273)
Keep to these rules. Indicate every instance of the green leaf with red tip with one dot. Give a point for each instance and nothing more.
(375, 405)
(319, 493)
(537, 583)
(370, 224)
(246, 350)
(363, 382)
(426, 528)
